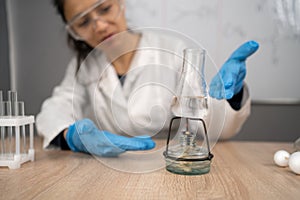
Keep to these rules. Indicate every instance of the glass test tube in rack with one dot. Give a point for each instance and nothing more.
(16, 132)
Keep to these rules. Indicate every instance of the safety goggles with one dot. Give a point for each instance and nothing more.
(81, 26)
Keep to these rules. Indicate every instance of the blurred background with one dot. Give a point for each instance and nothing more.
(34, 52)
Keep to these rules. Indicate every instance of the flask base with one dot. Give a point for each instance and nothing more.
(188, 167)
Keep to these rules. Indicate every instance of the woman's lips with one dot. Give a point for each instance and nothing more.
(107, 37)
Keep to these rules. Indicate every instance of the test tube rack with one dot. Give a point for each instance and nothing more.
(15, 128)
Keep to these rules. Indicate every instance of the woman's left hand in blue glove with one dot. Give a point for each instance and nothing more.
(84, 136)
(230, 79)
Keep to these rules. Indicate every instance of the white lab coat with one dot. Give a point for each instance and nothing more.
(141, 106)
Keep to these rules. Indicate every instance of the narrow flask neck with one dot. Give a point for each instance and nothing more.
(194, 59)
(191, 91)
(192, 80)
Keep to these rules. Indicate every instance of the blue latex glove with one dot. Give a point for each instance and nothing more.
(230, 78)
(84, 136)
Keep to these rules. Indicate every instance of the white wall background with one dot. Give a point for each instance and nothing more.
(221, 26)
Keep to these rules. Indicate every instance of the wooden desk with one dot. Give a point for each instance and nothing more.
(240, 170)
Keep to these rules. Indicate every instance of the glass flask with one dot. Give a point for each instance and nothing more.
(189, 153)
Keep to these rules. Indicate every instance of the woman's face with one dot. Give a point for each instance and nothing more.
(95, 23)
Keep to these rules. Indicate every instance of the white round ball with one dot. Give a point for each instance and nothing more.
(281, 158)
(294, 162)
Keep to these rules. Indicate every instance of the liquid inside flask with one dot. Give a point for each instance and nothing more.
(189, 153)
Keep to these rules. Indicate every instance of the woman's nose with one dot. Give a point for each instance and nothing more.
(99, 25)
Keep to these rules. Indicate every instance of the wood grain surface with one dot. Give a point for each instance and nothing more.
(240, 170)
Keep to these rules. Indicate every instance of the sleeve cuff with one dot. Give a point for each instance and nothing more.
(236, 101)
(60, 141)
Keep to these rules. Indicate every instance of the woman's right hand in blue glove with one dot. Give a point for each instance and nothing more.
(230, 79)
(84, 136)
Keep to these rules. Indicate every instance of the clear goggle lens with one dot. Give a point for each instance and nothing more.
(82, 26)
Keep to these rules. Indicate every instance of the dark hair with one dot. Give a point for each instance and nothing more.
(81, 48)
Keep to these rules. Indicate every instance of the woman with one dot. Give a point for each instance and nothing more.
(124, 84)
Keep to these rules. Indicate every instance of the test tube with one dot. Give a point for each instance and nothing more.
(21, 111)
(11, 111)
(13, 98)
(8, 113)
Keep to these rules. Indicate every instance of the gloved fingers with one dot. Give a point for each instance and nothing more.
(244, 51)
(110, 151)
(106, 150)
(99, 146)
(134, 143)
(150, 144)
